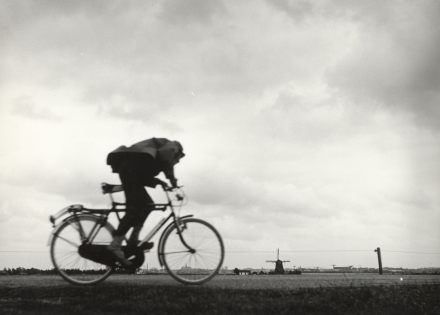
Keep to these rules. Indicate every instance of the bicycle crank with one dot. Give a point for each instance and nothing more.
(100, 254)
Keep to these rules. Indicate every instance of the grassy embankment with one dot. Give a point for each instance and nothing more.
(135, 298)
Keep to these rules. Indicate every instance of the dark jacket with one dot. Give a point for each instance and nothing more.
(150, 157)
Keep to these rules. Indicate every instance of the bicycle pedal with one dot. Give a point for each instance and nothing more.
(146, 246)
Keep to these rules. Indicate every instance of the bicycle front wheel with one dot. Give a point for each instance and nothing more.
(64, 250)
(202, 261)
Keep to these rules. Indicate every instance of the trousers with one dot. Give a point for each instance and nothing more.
(136, 199)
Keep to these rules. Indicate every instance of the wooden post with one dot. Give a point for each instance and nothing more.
(379, 258)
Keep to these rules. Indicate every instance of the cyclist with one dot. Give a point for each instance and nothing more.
(138, 167)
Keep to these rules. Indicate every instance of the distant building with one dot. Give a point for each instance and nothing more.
(345, 269)
(242, 272)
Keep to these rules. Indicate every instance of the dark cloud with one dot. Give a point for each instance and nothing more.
(158, 66)
(396, 65)
(26, 13)
(191, 11)
(297, 10)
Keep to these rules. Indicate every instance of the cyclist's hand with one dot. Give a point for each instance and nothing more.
(173, 183)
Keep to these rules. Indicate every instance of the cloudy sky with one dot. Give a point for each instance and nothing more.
(308, 126)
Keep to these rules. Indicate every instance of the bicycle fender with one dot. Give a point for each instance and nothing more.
(159, 247)
(64, 211)
(57, 227)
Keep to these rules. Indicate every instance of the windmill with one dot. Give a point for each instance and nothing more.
(279, 269)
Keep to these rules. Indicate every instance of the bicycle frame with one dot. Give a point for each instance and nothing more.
(103, 215)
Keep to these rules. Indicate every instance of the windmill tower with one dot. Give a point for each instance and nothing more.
(279, 269)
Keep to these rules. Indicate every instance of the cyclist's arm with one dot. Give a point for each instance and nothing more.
(169, 174)
(169, 155)
(153, 182)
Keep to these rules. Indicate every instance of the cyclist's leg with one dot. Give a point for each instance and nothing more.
(136, 198)
(134, 236)
(141, 212)
(133, 193)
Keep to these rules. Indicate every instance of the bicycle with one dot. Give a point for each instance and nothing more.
(191, 249)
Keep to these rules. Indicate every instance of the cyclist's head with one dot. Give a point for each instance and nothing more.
(179, 152)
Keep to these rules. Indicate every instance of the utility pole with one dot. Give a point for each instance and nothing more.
(379, 258)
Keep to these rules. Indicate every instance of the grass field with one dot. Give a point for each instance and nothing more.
(288, 294)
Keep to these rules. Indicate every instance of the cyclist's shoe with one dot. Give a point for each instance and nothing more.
(145, 246)
(119, 255)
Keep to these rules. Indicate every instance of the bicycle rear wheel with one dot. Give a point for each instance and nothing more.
(64, 250)
(192, 267)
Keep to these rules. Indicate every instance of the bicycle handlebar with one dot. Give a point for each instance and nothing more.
(179, 194)
(170, 189)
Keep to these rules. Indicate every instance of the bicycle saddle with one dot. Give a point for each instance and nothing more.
(109, 188)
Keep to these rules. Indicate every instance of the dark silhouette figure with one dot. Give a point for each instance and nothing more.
(137, 167)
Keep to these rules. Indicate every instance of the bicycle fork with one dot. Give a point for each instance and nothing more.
(181, 226)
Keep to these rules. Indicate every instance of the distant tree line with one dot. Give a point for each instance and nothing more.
(27, 271)
(53, 271)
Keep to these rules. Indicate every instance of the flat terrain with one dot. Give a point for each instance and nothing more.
(262, 294)
(260, 282)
